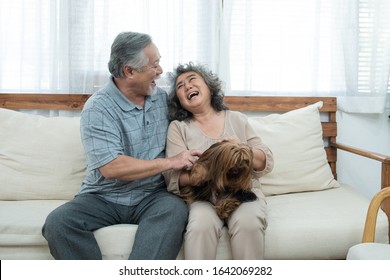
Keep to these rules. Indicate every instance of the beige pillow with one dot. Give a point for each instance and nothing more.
(295, 139)
(40, 157)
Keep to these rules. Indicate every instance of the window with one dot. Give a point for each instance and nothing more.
(64, 46)
(258, 47)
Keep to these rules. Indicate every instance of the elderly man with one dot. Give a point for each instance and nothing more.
(123, 130)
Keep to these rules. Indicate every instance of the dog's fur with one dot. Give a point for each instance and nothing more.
(222, 176)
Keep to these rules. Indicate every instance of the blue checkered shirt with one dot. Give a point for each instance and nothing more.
(110, 126)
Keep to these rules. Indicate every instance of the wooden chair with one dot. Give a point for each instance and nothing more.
(368, 249)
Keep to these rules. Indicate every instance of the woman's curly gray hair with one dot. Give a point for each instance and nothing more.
(176, 111)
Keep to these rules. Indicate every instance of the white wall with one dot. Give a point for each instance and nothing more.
(367, 131)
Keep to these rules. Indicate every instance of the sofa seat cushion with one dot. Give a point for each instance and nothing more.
(108, 238)
(309, 225)
(116, 242)
(369, 251)
(21, 221)
(318, 225)
(17, 252)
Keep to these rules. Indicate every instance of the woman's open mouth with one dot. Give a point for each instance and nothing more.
(192, 94)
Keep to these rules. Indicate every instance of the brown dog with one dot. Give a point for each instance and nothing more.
(222, 176)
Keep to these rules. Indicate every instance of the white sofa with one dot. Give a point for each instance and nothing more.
(310, 215)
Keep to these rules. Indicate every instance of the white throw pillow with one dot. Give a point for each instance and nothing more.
(295, 139)
(40, 157)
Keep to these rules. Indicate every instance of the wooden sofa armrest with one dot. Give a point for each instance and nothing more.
(385, 178)
(385, 160)
(361, 152)
(372, 213)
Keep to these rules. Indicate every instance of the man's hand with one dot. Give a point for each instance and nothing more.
(185, 160)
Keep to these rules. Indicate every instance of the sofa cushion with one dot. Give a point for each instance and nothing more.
(308, 225)
(40, 157)
(116, 242)
(21, 221)
(369, 251)
(318, 225)
(295, 139)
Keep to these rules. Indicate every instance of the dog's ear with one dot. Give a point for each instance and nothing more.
(191, 194)
(198, 174)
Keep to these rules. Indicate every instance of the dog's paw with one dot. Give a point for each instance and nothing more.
(226, 207)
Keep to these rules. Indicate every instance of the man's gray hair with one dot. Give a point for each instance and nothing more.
(127, 49)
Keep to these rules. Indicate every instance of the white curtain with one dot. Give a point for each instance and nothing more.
(258, 47)
(55, 46)
(309, 47)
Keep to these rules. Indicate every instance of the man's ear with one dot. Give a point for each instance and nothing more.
(128, 71)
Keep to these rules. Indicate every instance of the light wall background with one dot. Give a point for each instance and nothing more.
(367, 131)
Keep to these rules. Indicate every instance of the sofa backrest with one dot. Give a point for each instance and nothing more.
(278, 104)
(43, 157)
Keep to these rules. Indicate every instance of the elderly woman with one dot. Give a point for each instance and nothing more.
(199, 118)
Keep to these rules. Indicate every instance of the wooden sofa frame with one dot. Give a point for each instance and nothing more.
(277, 104)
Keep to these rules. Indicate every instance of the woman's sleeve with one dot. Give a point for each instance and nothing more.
(175, 145)
(255, 142)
